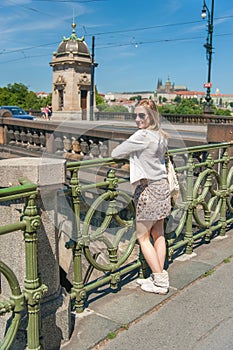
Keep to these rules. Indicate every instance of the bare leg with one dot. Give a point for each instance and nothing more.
(149, 252)
(157, 233)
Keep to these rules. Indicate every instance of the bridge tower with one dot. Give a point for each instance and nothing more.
(71, 65)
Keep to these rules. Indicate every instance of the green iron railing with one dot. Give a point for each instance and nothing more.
(27, 299)
(103, 216)
(204, 208)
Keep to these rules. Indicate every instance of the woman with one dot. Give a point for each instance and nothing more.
(146, 149)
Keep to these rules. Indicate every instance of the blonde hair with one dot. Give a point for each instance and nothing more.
(153, 113)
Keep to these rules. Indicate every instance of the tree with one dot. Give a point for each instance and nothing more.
(133, 98)
(17, 94)
(177, 99)
(112, 109)
(99, 100)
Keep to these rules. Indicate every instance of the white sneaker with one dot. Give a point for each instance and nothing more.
(159, 285)
(142, 281)
(152, 288)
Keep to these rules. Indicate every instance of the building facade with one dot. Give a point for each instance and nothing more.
(71, 65)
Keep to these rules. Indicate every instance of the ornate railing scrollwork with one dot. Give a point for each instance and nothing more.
(205, 206)
(203, 209)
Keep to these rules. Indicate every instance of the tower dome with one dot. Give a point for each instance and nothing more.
(72, 73)
(72, 45)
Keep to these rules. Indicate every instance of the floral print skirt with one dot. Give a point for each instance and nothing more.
(152, 200)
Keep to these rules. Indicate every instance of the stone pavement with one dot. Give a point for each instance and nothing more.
(197, 313)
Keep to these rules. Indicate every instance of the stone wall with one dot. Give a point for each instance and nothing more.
(49, 175)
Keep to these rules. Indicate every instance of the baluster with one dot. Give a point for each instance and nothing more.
(17, 136)
(76, 150)
(58, 143)
(11, 136)
(84, 147)
(23, 138)
(42, 140)
(29, 139)
(94, 150)
(103, 149)
(36, 140)
(67, 144)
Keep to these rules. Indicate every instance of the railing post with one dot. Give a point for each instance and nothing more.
(189, 232)
(33, 289)
(78, 287)
(223, 209)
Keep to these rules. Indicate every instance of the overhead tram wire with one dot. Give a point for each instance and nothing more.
(117, 45)
(154, 27)
(110, 45)
(75, 1)
(127, 31)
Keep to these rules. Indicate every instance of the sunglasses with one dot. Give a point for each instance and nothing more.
(141, 116)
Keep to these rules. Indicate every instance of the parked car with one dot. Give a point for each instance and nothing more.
(15, 112)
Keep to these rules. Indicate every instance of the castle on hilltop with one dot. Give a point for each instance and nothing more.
(169, 87)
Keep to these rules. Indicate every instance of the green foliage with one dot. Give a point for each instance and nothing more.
(101, 107)
(177, 99)
(185, 106)
(115, 108)
(138, 98)
(189, 106)
(111, 335)
(17, 94)
(208, 273)
(167, 109)
(219, 111)
(98, 99)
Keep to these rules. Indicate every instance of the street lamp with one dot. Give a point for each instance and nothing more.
(92, 80)
(209, 50)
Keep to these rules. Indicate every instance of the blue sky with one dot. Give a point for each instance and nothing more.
(136, 42)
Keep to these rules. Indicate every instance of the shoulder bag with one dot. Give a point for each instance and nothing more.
(172, 179)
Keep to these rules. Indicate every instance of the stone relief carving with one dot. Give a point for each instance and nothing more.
(84, 79)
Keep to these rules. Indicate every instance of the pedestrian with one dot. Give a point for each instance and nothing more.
(48, 112)
(42, 113)
(146, 150)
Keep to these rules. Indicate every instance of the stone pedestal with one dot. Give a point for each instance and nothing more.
(68, 115)
(219, 133)
(49, 175)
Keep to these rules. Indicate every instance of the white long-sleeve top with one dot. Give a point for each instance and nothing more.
(145, 150)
